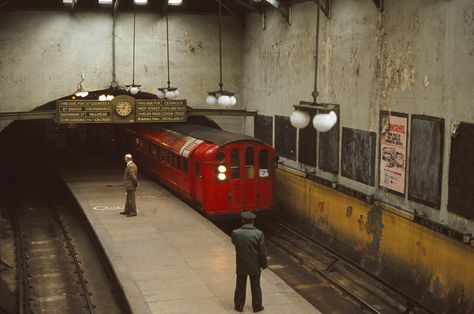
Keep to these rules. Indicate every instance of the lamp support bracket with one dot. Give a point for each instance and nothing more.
(307, 105)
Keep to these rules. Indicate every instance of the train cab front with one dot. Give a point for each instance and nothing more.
(242, 179)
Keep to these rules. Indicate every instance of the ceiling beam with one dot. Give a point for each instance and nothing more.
(164, 8)
(324, 5)
(248, 6)
(225, 7)
(115, 6)
(379, 4)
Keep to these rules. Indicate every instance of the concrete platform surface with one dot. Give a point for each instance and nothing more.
(168, 259)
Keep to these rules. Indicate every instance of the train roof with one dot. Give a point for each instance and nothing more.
(216, 136)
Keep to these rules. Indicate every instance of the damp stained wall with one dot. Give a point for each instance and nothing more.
(417, 58)
(44, 54)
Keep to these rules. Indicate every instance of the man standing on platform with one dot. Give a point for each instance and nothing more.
(251, 257)
(130, 180)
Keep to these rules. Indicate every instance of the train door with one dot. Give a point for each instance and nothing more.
(236, 195)
(248, 179)
(198, 188)
(264, 186)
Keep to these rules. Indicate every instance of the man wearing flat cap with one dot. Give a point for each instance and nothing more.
(251, 258)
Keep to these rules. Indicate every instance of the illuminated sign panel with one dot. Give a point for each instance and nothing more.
(84, 111)
(160, 110)
(122, 109)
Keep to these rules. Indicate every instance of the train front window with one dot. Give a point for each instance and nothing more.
(249, 163)
(185, 165)
(220, 156)
(235, 163)
(263, 163)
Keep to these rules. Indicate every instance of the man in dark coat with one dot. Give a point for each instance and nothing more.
(130, 181)
(251, 257)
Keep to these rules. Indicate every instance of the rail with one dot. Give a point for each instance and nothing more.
(23, 297)
(329, 279)
(410, 301)
(90, 306)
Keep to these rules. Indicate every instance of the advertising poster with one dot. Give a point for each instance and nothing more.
(393, 148)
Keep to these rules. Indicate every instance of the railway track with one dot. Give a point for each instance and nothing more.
(58, 268)
(50, 273)
(365, 291)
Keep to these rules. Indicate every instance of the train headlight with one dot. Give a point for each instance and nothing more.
(221, 176)
(221, 169)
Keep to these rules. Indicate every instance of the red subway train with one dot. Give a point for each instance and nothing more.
(219, 172)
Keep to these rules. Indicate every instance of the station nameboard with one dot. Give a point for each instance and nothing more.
(122, 109)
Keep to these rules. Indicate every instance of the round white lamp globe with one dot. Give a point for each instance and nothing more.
(160, 94)
(211, 100)
(134, 90)
(324, 122)
(299, 119)
(176, 93)
(233, 100)
(169, 94)
(224, 100)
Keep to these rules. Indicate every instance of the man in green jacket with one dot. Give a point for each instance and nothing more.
(251, 258)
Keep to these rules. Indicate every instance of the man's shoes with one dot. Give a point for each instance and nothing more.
(123, 213)
(239, 308)
(259, 309)
(131, 215)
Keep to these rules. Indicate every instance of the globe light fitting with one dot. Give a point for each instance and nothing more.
(299, 119)
(134, 88)
(323, 122)
(167, 92)
(221, 97)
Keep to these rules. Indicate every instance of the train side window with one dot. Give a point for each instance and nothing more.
(263, 163)
(173, 161)
(197, 169)
(185, 165)
(249, 163)
(235, 163)
(154, 151)
(167, 156)
(162, 154)
(178, 162)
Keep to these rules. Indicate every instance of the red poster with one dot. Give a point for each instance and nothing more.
(393, 147)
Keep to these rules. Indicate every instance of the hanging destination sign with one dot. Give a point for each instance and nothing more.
(84, 111)
(160, 110)
(122, 109)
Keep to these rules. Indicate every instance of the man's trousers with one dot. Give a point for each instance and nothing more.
(130, 206)
(240, 287)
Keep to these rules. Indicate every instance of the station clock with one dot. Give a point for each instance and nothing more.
(123, 108)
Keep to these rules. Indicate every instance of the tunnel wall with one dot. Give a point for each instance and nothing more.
(431, 267)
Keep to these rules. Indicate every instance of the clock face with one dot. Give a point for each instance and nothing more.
(123, 108)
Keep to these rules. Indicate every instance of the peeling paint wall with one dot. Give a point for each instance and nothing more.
(416, 58)
(44, 53)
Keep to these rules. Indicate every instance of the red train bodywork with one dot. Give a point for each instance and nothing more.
(189, 158)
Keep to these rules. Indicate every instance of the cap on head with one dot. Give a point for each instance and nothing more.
(248, 215)
(128, 156)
